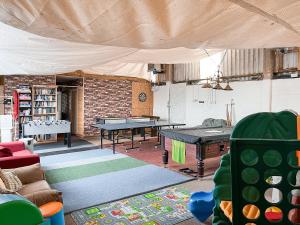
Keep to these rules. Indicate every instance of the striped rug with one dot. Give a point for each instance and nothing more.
(97, 176)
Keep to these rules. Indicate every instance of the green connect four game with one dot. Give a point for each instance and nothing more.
(264, 169)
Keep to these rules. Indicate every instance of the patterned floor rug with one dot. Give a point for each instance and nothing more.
(164, 207)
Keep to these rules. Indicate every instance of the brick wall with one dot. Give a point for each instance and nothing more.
(105, 98)
(11, 82)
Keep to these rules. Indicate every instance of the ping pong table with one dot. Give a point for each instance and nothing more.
(114, 120)
(132, 126)
(202, 137)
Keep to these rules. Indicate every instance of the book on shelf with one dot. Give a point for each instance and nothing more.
(25, 104)
(25, 112)
(44, 110)
(24, 119)
(45, 98)
(45, 91)
(44, 104)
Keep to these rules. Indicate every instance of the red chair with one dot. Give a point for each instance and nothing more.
(20, 156)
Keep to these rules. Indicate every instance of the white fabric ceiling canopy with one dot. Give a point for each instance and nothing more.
(25, 53)
(119, 37)
(156, 24)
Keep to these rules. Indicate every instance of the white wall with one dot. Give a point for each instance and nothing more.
(178, 96)
(160, 101)
(286, 95)
(248, 96)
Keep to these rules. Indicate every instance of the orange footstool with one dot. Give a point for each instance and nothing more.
(54, 212)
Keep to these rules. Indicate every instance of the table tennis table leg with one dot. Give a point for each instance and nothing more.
(143, 134)
(132, 140)
(117, 137)
(158, 137)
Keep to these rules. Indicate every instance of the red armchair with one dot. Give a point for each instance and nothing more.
(20, 156)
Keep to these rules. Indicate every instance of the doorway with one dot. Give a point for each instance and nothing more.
(70, 102)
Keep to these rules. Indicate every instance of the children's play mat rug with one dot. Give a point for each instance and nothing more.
(164, 207)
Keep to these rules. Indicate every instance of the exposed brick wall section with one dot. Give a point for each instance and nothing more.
(105, 98)
(11, 82)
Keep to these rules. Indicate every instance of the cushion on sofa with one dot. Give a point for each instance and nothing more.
(14, 146)
(11, 181)
(22, 153)
(30, 174)
(5, 152)
(34, 187)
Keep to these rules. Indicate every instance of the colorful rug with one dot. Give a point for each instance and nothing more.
(97, 176)
(164, 207)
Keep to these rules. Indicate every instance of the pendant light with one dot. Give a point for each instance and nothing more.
(228, 88)
(218, 85)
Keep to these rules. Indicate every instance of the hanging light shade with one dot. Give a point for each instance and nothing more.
(227, 87)
(206, 85)
(218, 86)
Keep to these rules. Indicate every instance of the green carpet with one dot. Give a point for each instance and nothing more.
(164, 207)
(93, 169)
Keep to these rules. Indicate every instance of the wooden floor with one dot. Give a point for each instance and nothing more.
(153, 155)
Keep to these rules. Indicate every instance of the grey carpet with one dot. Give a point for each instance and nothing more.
(108, 187)
(59, 147)
(70, 150)
(76, 142)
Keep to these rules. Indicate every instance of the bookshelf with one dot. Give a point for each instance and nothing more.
(25, 107)
(44, 108)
